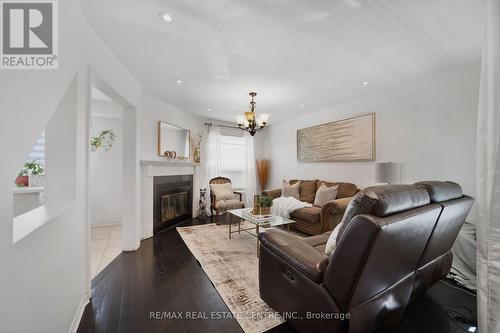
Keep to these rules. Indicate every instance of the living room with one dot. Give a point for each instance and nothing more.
(188, 166)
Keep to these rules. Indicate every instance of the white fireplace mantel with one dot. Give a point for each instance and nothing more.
(169, 163)
(151, 169)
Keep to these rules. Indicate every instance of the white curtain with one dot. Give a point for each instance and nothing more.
(213, 159)
(250, 173)
(488, 176)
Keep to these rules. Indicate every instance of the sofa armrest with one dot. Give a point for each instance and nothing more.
(273, 193)
(333, 211)
(295, 252)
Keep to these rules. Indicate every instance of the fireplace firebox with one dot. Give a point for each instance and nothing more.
(173, 200)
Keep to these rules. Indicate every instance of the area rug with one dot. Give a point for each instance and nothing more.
(232, 266)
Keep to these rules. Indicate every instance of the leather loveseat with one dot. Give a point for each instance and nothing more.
(382, 260)
(317, 220)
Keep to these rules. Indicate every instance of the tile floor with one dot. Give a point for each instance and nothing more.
(105, 245)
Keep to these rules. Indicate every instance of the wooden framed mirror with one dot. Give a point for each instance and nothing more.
(173, 141)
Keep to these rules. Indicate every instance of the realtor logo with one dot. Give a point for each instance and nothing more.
(29, 34)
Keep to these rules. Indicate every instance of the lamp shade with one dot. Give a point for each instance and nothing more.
(250, 116)
(388, 172)
(240, 120)
(264, 117)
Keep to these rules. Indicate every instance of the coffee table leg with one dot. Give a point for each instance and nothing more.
(239, 226)
(229, 227)
(288, 227)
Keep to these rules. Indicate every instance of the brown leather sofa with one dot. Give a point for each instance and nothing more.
(317, 220)
(382, 260)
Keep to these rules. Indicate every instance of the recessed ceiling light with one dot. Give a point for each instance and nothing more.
(178, 81)
(302, 105)
(166, 17)
(364, 83)
(208, 109)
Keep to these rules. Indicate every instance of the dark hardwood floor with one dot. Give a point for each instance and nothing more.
(163, 276)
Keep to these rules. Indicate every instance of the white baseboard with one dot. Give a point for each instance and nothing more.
(79, 314)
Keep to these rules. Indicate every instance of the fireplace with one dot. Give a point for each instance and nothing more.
(173, 200)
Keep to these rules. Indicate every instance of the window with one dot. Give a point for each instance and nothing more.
(38, 152)
(233, 158)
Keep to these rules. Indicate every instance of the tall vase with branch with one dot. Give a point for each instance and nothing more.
(196, 143)
(263, 172)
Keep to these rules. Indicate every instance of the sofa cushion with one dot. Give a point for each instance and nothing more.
(360, 204)
(290, 189)
(307, 190)
(223, 205)
(309, 214)
(345, 189)
(325, 194)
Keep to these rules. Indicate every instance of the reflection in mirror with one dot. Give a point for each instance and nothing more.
(173, 142)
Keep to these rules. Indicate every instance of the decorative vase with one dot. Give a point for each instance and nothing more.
(256, 205)
(36, 180)
(22, 181)
(197, 155)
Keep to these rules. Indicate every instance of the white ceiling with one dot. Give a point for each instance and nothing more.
(290, 52)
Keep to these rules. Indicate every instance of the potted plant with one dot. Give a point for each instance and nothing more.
(104, 139)
(265, 205)
(31, 174)
(22, 178)
(35, 173)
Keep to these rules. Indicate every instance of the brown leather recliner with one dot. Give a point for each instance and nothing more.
(380, 262)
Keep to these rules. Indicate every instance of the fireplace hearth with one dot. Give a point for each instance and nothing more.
(173, 200)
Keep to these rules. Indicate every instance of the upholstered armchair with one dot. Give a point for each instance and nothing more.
(220, 205)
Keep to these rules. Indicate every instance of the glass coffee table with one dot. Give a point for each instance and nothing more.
(243, 215)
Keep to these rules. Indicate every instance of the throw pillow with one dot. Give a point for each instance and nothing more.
(307, 190)
(345, 189)
(325, 194)
(332, 241)
(222, 191)
(361, 203)
(291, 190)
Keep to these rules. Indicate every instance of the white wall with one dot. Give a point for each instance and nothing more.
(154, 110)
(106, 167)
(45, 275)
(428, 124)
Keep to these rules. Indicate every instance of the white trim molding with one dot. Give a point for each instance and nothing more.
(79, 313)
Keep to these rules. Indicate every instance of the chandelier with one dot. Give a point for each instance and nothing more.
(249, 122)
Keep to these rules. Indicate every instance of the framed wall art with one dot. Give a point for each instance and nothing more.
(351, 139)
